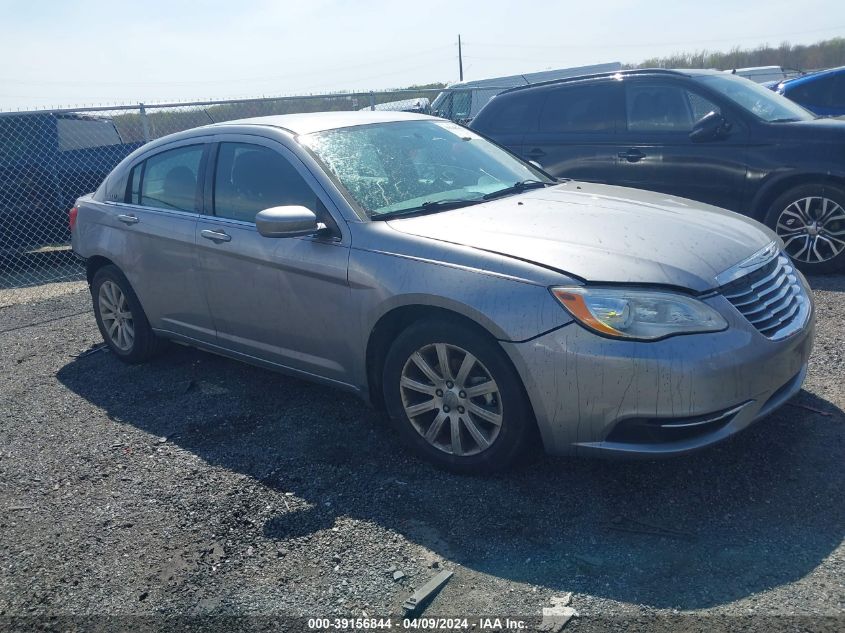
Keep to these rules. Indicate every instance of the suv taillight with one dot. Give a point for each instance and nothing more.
(71, 217)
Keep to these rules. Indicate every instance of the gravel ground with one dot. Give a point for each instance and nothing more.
(195, 485)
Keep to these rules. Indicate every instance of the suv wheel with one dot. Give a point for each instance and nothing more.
(455, 398)
(811, 222)
(121, 319)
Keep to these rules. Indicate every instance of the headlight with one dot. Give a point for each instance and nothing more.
(638, 314)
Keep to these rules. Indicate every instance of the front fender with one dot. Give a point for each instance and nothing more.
(781, 180)
(510, 308)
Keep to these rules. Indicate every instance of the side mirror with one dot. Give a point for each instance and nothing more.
(293, 221)
(710, 127)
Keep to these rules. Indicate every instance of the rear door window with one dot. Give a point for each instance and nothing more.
(517, 113)
(250, 178)
(168, 180)
(580, 109)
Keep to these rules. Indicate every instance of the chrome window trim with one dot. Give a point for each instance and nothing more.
(138, 207)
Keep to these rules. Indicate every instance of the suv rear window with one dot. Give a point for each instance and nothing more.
(580, 109)
(84, 133)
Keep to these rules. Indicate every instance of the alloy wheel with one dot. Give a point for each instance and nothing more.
(451, 399)
(812, 229)
(116, 316)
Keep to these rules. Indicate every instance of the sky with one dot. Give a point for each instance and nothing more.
(90, 52)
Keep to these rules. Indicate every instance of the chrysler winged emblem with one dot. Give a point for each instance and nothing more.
(760, 257)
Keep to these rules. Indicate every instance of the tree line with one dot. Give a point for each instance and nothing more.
(825, 54)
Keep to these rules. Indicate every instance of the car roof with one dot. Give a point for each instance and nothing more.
(636, 72)
(306, 123)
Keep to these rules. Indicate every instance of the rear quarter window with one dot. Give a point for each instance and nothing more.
(115, 187)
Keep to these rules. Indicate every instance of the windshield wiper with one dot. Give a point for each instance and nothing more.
(518, 187)
(431, 206)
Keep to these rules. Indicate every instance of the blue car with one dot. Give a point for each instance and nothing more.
(822, 93)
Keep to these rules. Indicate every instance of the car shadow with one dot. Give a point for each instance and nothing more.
(755, 512)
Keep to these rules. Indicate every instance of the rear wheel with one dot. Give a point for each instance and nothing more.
(120, 318)
(455, 398)
(810, 220)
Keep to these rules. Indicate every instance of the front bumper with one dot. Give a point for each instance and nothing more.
(583, 386)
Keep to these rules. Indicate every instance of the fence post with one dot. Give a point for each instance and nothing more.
(372, 100)
(145, 125)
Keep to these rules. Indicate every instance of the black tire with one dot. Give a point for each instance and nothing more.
(145, 343)
(836, 194)
(517, 428)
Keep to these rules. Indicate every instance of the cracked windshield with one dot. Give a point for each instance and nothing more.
(396, 168)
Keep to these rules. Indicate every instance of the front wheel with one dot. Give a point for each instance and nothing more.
(810, 220)
(455, 398)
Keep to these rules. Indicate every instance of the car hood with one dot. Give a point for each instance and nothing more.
(602, 233)
(824, 129)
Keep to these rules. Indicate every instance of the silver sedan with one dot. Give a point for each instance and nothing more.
(479, 301)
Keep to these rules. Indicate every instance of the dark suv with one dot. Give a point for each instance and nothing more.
(48, 160)
(705, 135)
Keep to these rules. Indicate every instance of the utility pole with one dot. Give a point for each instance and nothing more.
(460, 60)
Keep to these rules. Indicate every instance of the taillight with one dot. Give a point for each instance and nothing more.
(71, 216)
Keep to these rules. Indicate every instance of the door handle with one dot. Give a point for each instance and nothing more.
(128, 219)
(216, 236)
(535, 153)
(631, 155)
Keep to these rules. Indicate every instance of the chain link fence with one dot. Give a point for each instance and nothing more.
(50, 158)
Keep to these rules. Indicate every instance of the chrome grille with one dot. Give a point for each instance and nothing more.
(771, 297)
